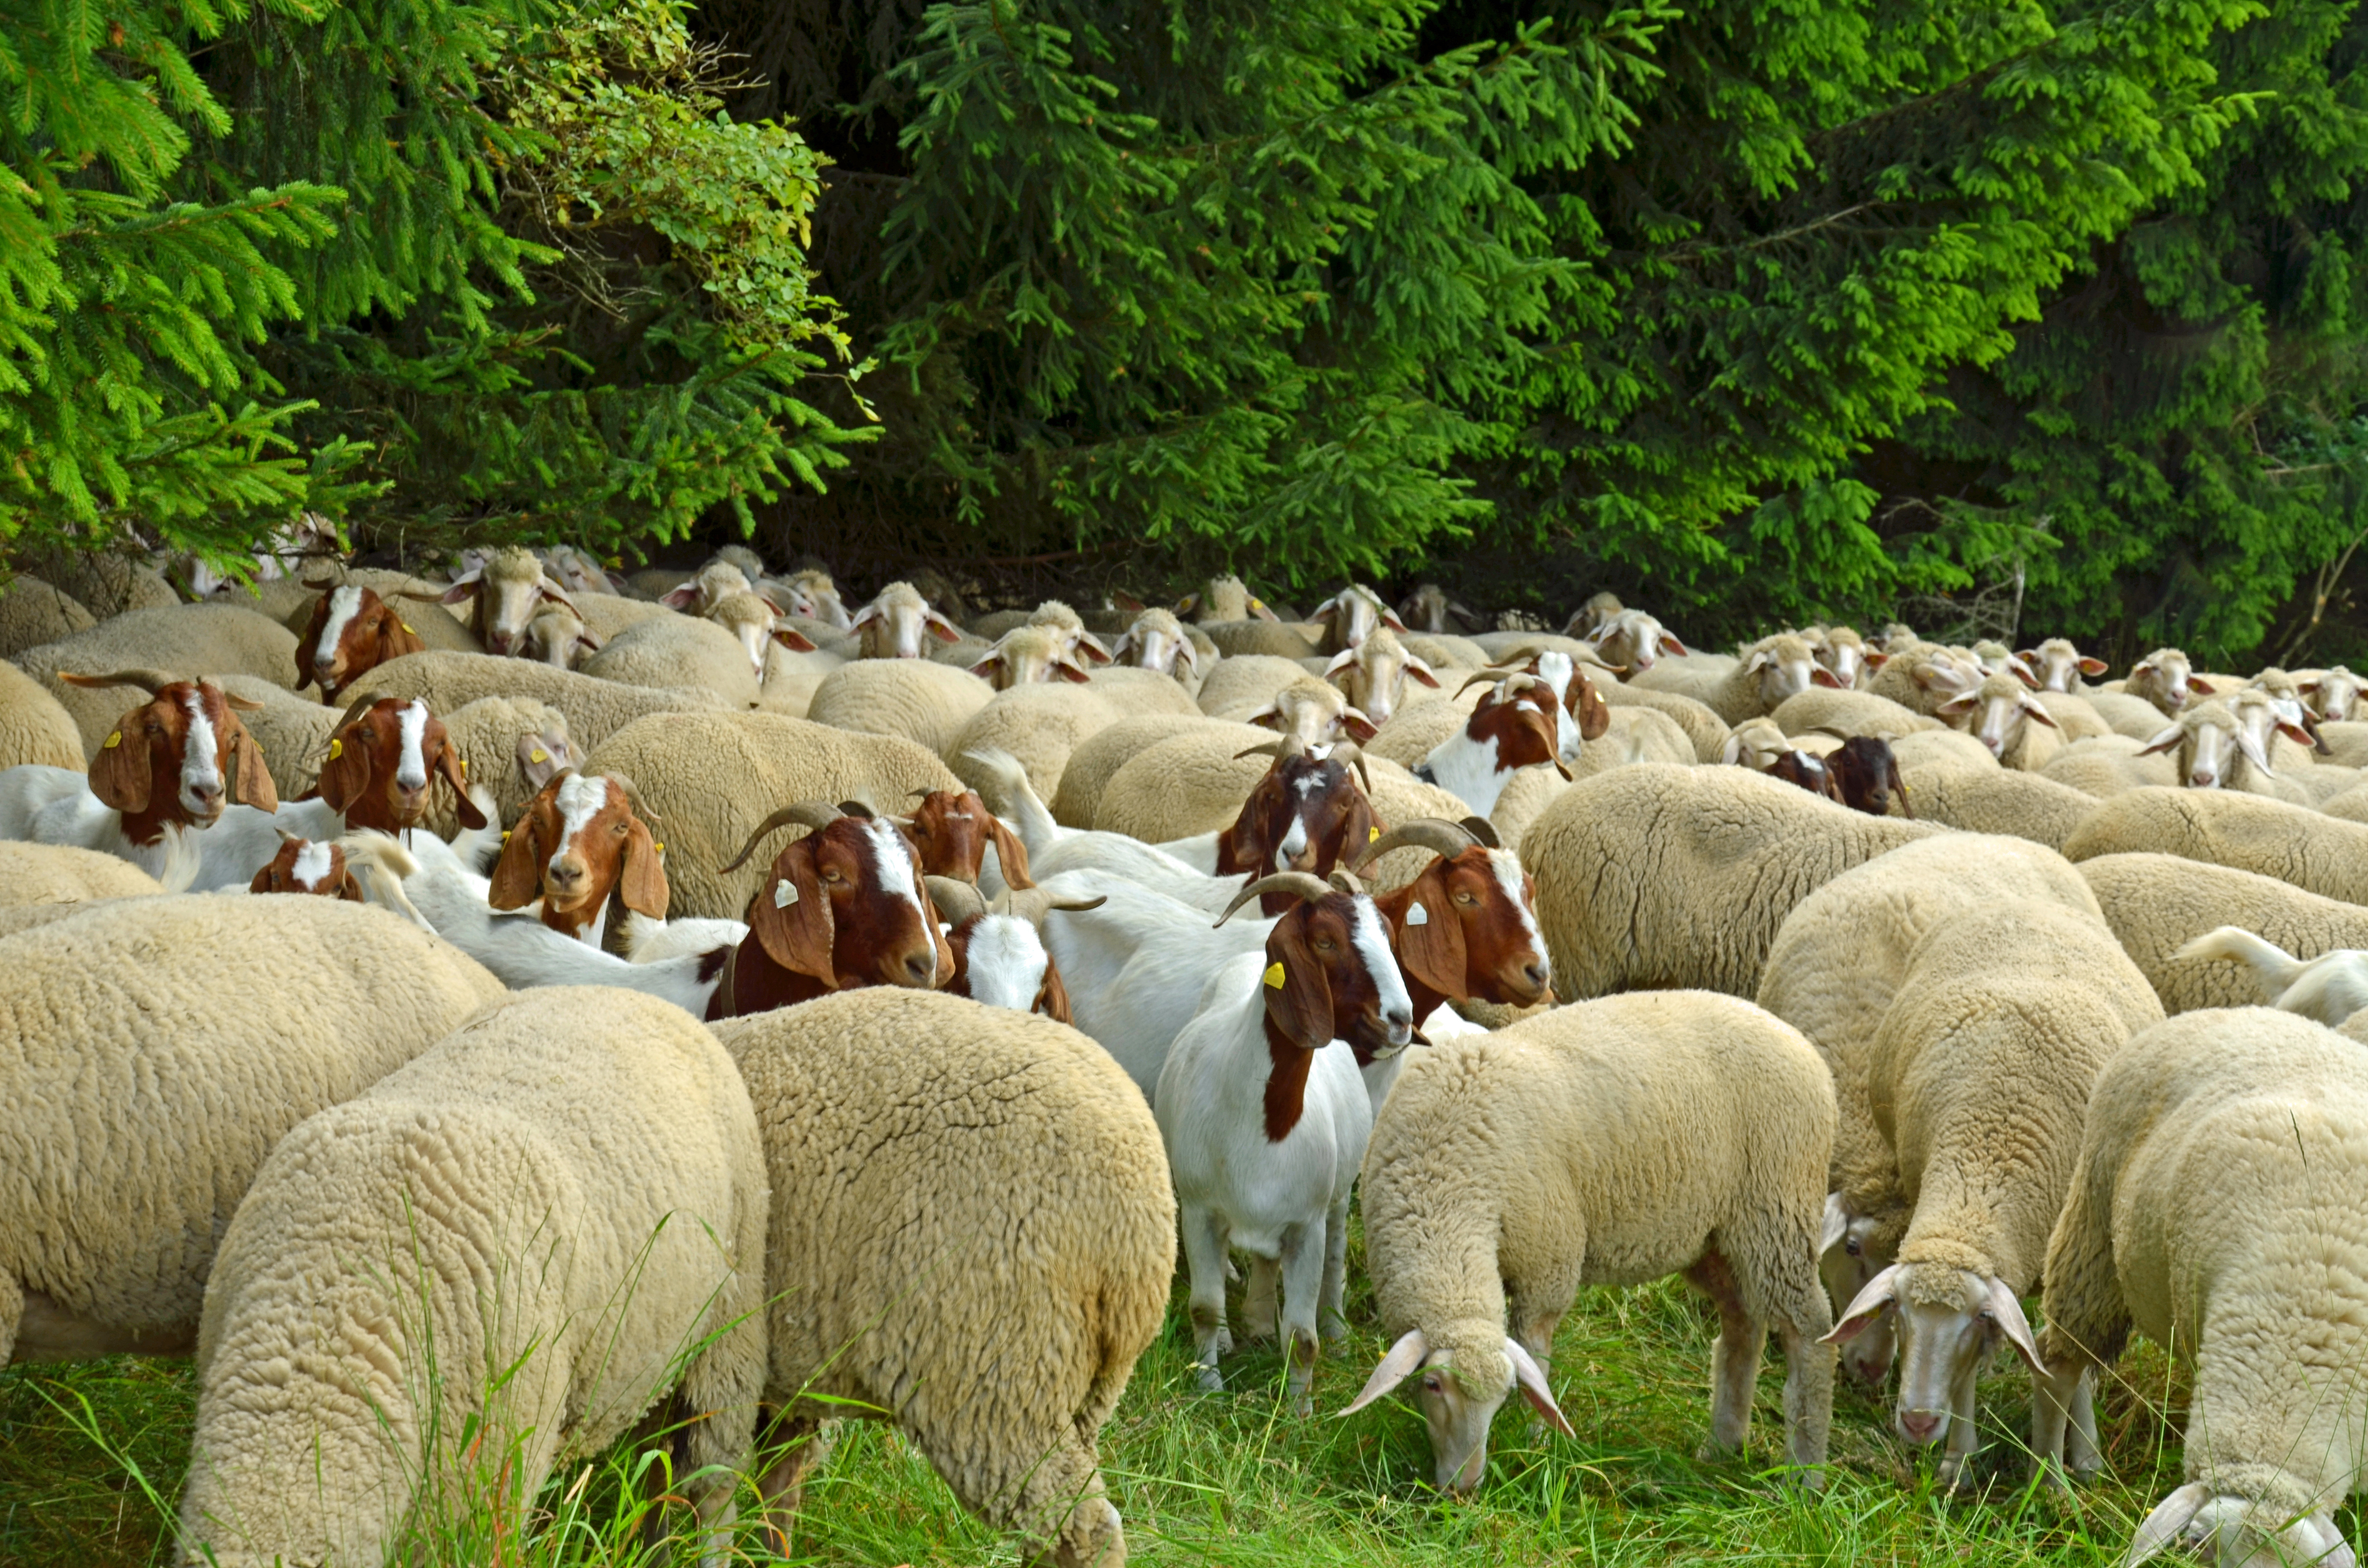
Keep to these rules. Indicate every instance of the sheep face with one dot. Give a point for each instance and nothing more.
(1756, 743)
(1460, 1392)
(384, 759)
(2229, 1531)
(1314, 715)
(1852, 1255)
(2212, 743)
(1785, 667)
(558, 637)
(1429, 610)
(509, 586)
(716, 582)
(1156, 641)
(1634, 640)
(179, 759)
(1064, 623)
(1843, 651)
(1373, 675)
(1353, 614)
(2059, 666)
(893, 625)
(2167, 679)
(1225, 598)
(1996, 712)
(1029, 655)
(815, 596)
(2334, 694)
(1948, 1320)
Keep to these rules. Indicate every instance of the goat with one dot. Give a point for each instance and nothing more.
(998, 949)
(844, 908)
(365, 867)
(1807, 771)
(506, 587)
(950, 830)
(181, 758)
(1373, 673)
(1508, 730)
(893, 624)
(383, 757)
(1304, 816)
(579, 841)
(1868, 776)
(1266, 1122)
(352, 633)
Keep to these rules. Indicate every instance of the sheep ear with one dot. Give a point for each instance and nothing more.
(1074, 674)
(2253, 752)
(1834, 1226)
(1530, 1379)
(465, 586)
(1875, 661)
(1877, 1299)
(1404, 1356)
(939, 627)
(986, 669)
(2162, 1527)
(2033, 708)
(2162, 742)
(1731, 753)
(2007, 1312)
(1957, 704)
(1340, 660)
(2092, 666)
(1360, 729)
(2024, 672)
(2298, 734)
(1821, 675)
(2204, 687)
(1757, 662)
(681, 596)
(1420, 671)
(1671, 645)
(794, 641)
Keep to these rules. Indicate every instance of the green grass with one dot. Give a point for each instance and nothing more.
(1229, 1480)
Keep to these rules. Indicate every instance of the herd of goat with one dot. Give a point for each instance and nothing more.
(695, 999)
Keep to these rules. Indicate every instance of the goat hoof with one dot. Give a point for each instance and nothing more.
(1211, 1380)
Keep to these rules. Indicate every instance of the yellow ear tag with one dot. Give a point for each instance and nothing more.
(538, 754)
(336, 750)
(111, 742)
(1255, 605)
(405, 625)
(1274, 975)
(505, 836)
(464, 768)
(661, 849)
(1373, 835)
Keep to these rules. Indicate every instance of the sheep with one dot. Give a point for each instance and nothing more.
(2347, 744)
(33, 612)
(1770, 670)
(706, 780)
(35, 728)
(2111, 765)
(2002, 715)
(920, 701)
(505, 588)
(61, 874)
(1430, 609)
(1029, 656)
(1350, 616)
(1373, 672)
(1999, 800)
(1158, 641)
(1952, 750)
(579, 571)
(1832, 972)
(109, 585)
(1141, 691)
(1978, 1079)
(201, 640)
(1661, 876)
(2215, 1209)
(1841, 649)
(557, 636)
(1592, 616)
(1265, 1116)
(1095, 758)
(2060, 667)
(710, 586)
(1755, 743)
(115, 1197)
(1246, 681)
(1004, 1163)
(1510, 1168)
(1849, 713)
(680, 653)
(813, 595)
(595, 708)
(1634, 641)
(2217, 748)
(1041, 725)
(896, 620)
(2334, 694)
(496, 1258)
(2328, 988)
(606, 615)
(350, 633)
(2319, 854)
(2166, 679)
(1925, 674)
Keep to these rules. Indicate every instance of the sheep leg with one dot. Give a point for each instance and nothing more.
(1204, 1258)
(12, 1313)
(1332, 1312)
(783, 1487)
(1258, 1300)
(1303, 1285)
(1733, 1356)
(2087, 1458)
(2064, 1397)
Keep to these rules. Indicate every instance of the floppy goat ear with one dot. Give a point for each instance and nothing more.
(643, 882)
(1010, 853)
(345, 774)
(518, 875)
(1053, 1000)
(791, 916)
(1430, 939)
(448, 764)
(1298, 992)
(395, 639)
(1586, 706)
(250, 778)
(120, 775)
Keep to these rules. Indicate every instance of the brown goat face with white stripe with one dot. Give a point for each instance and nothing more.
(952, 829)
(383, 761)
(1306, 815)
(180, 757)
(304, 867)
(1467, 926)
(578, 842)
(844, 908)
(351, 633)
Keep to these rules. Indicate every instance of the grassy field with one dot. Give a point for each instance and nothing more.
(1229, 1481)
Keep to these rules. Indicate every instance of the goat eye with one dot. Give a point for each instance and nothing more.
(1465, 898)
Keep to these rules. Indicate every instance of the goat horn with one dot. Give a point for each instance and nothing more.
(1443, 838)
(1288, 746)
(356, 708)
(1347, 881)
(1301, 885)
(806, 814)
(1033, 905)
(1348, 753)
(1488, 677)
(1483, 831)
(633, 798)
(150, 681)
(323, 586)
(956, 901)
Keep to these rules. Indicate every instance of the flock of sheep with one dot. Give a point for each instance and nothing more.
(698, 1003)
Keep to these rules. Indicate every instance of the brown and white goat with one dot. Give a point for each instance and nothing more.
(1306, 815)
(1868, 776)
(1513, 726)
(384, 755)
(950, 830)
(352, 633)
(1467, 926)
(579, 841)
(844, 908)
(508, 586)
(999, 959)
(181, 757)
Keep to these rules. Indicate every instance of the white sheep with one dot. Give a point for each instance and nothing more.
(1769, 671)
(2217, 1208)
(505, 588)
(58, 873)
(2165, 678)
(973, 1235)
(558, 637)
(594, 707)
(916, 700)
(35, 728)
(496, 1258)
(1634, 641)
(2113, 765)
(2250, 833)
(239, 1018)
(897, 620)
(1921, 675)
(2004, 716)
(1608, 1142)
(196, 641)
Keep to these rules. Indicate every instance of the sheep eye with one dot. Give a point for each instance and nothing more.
(1850, 1246)
(1430, 1383)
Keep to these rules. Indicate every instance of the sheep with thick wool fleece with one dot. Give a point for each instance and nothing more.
(1661, 876)
(1997, 800)
(680, 653)
(111, 1200)
(915, 699)
(1247, 682)
(60, 873)
(1978, 1078)
(32, 612)
(1100, 755)
(1608, 1142)
(1833, 972)
(186, 640)
(708, 778)
(1040, 724)
(1922, 676)
(497, 1258)
(2158, 905)
(2113, 765)
(973, 1235)
(1704, 729)
(2248, 832)
(1141, 691)
(1849, 713)
(2217, 1208)
(595, 708)
(35, 727)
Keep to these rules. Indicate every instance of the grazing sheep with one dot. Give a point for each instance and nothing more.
(494, 1259)
(2318, 853)
(35, 728)
(193, 641)
(915, 699)
(953, 1183)
(2160, 904)
(1661, 876)
(33, 612)
(1978, 1079)
(595, 708)
(1922, 676)
(2217, 1208)
(706, 779)
(111, 1200)
(1605, 1144)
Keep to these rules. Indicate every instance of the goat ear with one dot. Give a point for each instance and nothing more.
(448, 764)
(1298, 991)
(395, 639)
(1360, 829)
(120, 774)
(1586, 705)
(310, 648)
(938, 925)
(643, 882)
(791, 916)
(349, 890)
(1053, 1001)
(518, 875)
(250, 777)
(1010, 853)
(345, 774)
(1430, 939)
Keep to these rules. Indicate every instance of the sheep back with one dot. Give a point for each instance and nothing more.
(292, 730)
(678, 653)
(2156, 904)
(1849, 713)
(595, 708)
(1704, 730)
(972, 1230)
(186, 639)
(1100, 755)
(58, 873)
(1248, 639)
(708, 779)
(35, 726)
(916, 700)
(1040, 723)
(153, 1049)
(33, 612)
(1188, 784)
(1662, 875)
(1133, 691)
(1247, 683)
(2248, 833)
(611, 615)
(1999, 800)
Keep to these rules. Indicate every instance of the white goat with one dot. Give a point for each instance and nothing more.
(2328, 988)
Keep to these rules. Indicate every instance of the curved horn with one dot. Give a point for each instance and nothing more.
(150, 681)
(1299, 884)
(956, 901)
(1347, 881)
(323, 586)
(356, 708)
(806, 814)
(1348, 753)
(1483, 831)
(633, 798)
(1443, 838)
(1033, 905)
(1488, 677)
(1287, 746)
